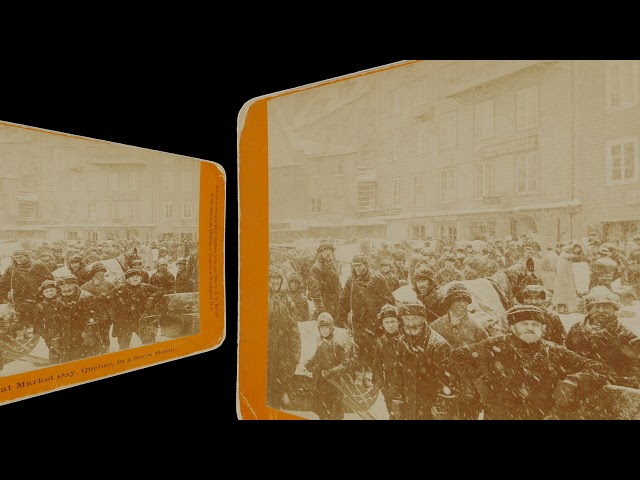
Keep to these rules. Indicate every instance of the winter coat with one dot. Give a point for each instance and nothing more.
(364, 296)
(324, 287)
(467, 332)
(301, 305)
(554, 331)
(184, 282)
(564, 289)
(445, 276)
(430, 301)
(79, 323)
(24, 281)
(130, 304)
(517, 380)
(47, 322)
(164, 280)
(425, 379)
(392, 281)
(331, 357)
(401, 273)
(284, 347)
(611, 343)
(385, 364)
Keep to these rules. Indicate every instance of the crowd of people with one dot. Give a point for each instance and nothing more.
(431, 365)
(76, 309)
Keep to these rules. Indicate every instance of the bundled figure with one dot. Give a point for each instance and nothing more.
(283, 343)
(47, 320)
(330, 361)
(426, 385)
(425, 285)
(385, 364)
(601, 336)
(449, 272)
(78, 268)
(98, 285)
(184, 279)
(386, 269)
(324, 281)
(520, 376)
(298, 298)
(163, 278)
(400, 261)
(538, 296)
(79, 321)
(134, 305)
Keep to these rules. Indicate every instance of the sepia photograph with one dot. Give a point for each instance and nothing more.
(448, 240)
(98, 248)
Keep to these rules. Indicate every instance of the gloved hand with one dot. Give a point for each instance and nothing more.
(564, 393)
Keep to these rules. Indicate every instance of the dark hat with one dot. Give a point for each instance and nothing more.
(457, 291)
(66, 280)
(136, 261)
(388, 310)
(295, 277)
(413, 308)
(75, 258)
(600, 295)
(535, 291)
(181, 260)
(133, 272)
(97, 267)
(325, 320)
(360, 258)
(47, 284)
(520, 313)
(21, 253)
(423, 273)
(326, 245)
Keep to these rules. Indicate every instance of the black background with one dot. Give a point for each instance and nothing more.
(186, 108)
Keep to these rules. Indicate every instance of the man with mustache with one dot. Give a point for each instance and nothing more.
(520, 376)
(601, 336)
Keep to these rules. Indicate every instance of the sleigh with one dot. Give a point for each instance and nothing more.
(16, 345)
(180, 315)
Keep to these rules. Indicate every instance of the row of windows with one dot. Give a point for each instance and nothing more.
(478, 231)
(116, 182)
(122, 210)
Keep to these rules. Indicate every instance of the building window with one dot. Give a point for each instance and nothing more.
(134, 182)
(622, 161)
(187, 211)
(134, 210)
(104, 210)
(622, 84)
(339, 167)
(316, 205)
(447, 232)
(483, 230)
(527, 173)
(54, 182)
(418, 190)
(72, 210)
(168, 182)
(366, 195)
(418, 232)
(485, 179)
(168, 211)
(92, 182)
(55, 210)
(92, 211)
(113, 182)
(187, 182)
(28, 210)
(448, 185)
(527, 108)
(484, 120)
(71, 235)
(74, 180)
(92, 236)
(448, 130)
(397, 192)
(114, 210)
(418, 140)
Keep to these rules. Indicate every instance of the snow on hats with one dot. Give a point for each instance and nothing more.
(326, 245)
(47, 284)
(360, 258)
(388, 310)
(97, 267)
(413, 308)
(423, 273)
(386, 261)
(21, 253)
(133, 272)
(67, 279)
(295, 277)
(600, 295)
(457, 291)
(521, 313)
(325, 320)
(534, 291)
(604, 250)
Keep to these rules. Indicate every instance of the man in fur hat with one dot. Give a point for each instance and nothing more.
(601, 336)
(324, 281)
(538, 296)
(520, 376)
(385, 364)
